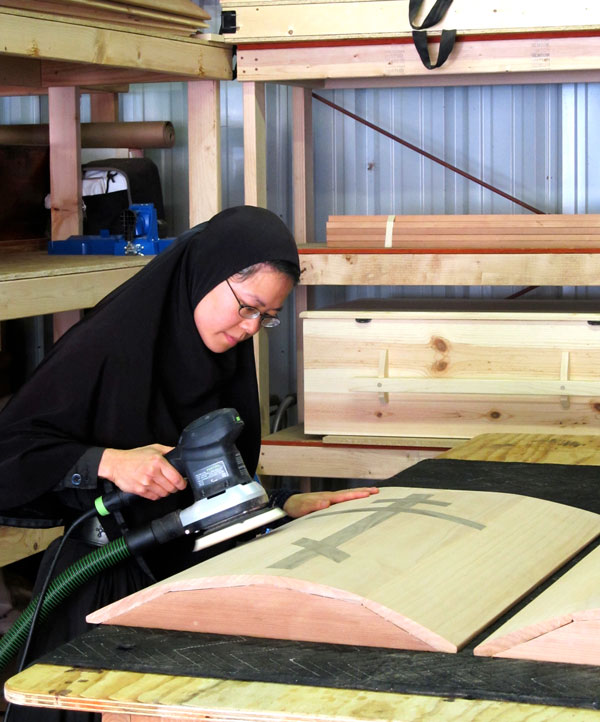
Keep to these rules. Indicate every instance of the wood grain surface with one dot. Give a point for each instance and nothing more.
(560, 625)
(472, 372)
(134, 697)
(407, 568)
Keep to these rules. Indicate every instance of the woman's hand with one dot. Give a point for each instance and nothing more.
(143, 471)
(302, 504)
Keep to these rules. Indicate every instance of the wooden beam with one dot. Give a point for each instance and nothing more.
(204, 150)
(255, 194)
(79, 42)
(65, 161)
(26, 70)
(297, 20)
(291, 452)
(37, 283)
(255, 145)
(56, 73)
(452, 269)
(389, 61)
(304, 211)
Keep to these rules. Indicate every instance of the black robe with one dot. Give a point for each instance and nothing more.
(134, 372)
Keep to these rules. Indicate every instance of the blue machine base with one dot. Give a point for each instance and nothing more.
(107, 246)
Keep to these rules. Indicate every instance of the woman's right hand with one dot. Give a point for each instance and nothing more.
(143, 471)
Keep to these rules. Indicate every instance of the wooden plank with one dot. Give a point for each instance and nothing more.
(304, 210)
(395, 441)
(56, 73)
(406, 568)
(302, 166)
(499, 232)
(333, 462)
(78, 42)
(204, 150)
(137, 697)
(561, 625)
(255, 168)
(65, 161)
(35, 284)
(479, 220)
(116, 15)
(64, 135)
(17, 542)
(414, 268)
(258, 20)
(255, 194)
(499, 58)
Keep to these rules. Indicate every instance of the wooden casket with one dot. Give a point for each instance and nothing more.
(439, 369)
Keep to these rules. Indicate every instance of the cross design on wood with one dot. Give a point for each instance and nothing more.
(329, 546)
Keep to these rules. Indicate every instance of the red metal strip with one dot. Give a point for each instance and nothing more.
(443, 251)
(322, 444)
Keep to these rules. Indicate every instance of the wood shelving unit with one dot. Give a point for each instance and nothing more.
(567, 54)
(65, 56)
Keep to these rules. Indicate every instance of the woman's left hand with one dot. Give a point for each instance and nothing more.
(302, 504)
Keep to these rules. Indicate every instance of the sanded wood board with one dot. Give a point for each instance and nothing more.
(561, 625)
(407, 568)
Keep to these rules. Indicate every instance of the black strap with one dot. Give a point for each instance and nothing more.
(446, 44)
(436, 13)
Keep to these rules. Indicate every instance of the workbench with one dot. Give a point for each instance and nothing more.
(133, 692)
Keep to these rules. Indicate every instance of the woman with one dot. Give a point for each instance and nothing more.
(112, 396)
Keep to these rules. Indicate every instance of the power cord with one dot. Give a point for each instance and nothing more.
(43, 590)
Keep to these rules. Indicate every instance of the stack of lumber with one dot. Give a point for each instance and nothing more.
(168, 17)
(484, 232)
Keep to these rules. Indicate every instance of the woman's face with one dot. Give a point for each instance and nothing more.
(216, 316)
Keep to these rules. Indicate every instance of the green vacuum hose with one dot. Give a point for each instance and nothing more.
(59, 589)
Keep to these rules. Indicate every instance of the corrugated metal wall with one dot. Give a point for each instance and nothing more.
(535, 142)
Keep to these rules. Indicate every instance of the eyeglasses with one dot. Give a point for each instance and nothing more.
(250, 312)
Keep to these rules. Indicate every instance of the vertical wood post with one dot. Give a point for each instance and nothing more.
(255, 145)
(255, 194)
(304, 220)
(204, 149)
(65, 177)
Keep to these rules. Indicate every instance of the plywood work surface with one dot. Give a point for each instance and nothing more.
(407, 568)
(529, 448)
(125, 696)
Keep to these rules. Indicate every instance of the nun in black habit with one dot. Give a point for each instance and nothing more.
(114, 393)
